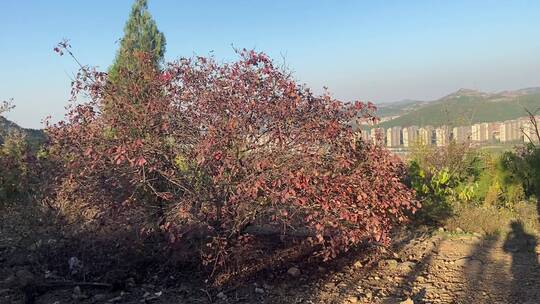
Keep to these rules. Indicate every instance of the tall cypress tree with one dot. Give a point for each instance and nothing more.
(140, 35)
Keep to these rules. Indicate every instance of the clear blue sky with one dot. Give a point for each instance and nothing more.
(370, 50)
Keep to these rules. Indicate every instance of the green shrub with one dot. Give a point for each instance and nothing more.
(443, 178)
(14, 164)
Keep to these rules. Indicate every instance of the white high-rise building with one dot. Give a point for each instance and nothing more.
(410, 136)
(425, 135)
(393, 137)
(442, 136)
(461, 134)
(480, 132)
(510, 131)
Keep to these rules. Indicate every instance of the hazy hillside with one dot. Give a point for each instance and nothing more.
(34, 136)
(464, 107)
(399, 107)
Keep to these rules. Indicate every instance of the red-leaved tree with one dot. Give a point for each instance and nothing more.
(217, 155)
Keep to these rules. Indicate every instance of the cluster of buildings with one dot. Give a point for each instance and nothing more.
(510, 131)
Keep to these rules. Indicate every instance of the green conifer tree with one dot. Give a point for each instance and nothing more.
(140, 35)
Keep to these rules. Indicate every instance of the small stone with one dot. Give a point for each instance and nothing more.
(368, 295)
(420, 279)
(407, 266)
(259, 290)
(358, 264)
(441, 229)
(459, 230)
(352, 299)
(389, 264)
(330, 285)
(221, 296)
(294, 272)
(376, 278)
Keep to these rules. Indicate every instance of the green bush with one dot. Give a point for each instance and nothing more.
(14, 164)
(442, 178)
(432, 190)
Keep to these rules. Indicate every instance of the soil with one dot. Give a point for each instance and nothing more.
(421, 267)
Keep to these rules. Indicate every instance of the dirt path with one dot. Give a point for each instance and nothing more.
(436, 267)
(447, 269)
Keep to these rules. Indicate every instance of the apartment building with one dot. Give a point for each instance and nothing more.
(442, 136)
(410, 136)
(425, 135)
(480, 132)
(510, 131)
(461, 134)
(393, 137)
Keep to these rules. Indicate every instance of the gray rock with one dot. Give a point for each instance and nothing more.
(221, 296)
(389, 264)
(330, 285)
(294, 272)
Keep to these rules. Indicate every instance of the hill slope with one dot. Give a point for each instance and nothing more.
(465, 107)
(34, 137)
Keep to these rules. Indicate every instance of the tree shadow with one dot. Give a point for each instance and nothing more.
(490, 279)
(525, 268)
(347, 281)
(484, 277)
(538, 208)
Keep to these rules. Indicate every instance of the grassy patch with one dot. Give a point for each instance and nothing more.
(491, 220)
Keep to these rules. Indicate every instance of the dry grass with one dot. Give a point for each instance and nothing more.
(491, 220)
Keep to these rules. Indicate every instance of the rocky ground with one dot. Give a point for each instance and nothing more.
(421, 267)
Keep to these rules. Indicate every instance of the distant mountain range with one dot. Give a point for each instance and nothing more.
(463, 107)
